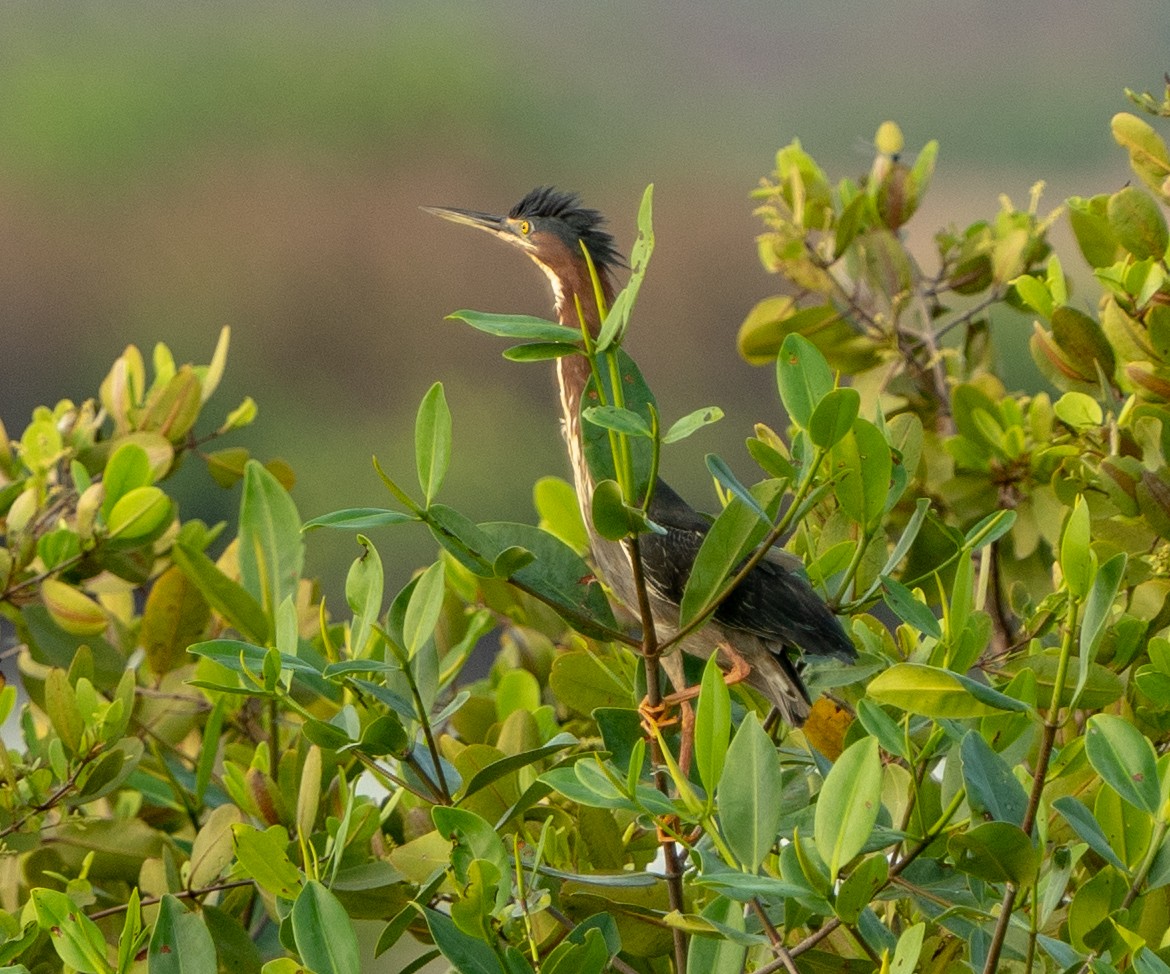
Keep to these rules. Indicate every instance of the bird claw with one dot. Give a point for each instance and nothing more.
(740, 668)
(654, 717)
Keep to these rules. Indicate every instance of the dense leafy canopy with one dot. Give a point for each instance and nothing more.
(215, 771)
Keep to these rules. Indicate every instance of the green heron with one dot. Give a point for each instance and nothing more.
(774, 609)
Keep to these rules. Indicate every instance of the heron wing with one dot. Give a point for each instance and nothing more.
(775, 601)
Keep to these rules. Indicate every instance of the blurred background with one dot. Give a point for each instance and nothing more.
(166, 169)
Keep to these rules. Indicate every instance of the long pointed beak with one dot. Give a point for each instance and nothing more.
(471, 218)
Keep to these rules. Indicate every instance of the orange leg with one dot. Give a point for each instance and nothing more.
(655, 716)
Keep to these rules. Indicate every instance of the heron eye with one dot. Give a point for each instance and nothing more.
(525, 227)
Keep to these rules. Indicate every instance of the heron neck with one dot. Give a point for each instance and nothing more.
(573, 371)
(572, 289)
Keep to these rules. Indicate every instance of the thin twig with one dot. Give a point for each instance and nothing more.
(183, 894)
(651, 653)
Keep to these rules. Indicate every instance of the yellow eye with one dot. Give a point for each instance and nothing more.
(525, 227)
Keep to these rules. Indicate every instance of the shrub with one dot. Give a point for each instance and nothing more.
(215, 772)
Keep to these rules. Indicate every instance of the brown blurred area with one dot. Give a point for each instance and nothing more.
(168, 169)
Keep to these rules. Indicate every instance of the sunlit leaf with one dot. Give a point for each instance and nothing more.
(432, 441)
(264, 857)
(422, 612)
(804, 378)
(175, 616)
(748, 794)
(359, 519)
(77, 940)
(523, 327)
(712, 725)
(1125, 760)
(271, 550)
(688, 424)
(848, 804)
(932, 692)
(323, 933)
(833, 417)
(181, 942)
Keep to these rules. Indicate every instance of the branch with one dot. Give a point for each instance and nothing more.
(651, 652)
(183, 894)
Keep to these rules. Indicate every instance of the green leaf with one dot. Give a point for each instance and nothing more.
(77, 940)
(1077, 561)
(517, 689)
(181, 942)
(513, 762)
(833, 417)
(719, 955)
(880, 725)
(432, 441)
(932, 692)
(127, 469)
(909, 949)
(909, 609)
(130, 940)
(240, 657)
(139, 512)
(1098, 607)
(863, 461)
(582, 681)
(213, 848)
(1087, 828)
(424, 608)
(996, 852)
(271, 549)
(467, 954)
(364, 592)
(359, 519)
(539, 351)
(556, 502)
(1138, 223)
(1078, 410)
(235, 947)
(524, 327)
(61, 707)
(749, 794)
(228, 598)
(589, 956)
(1145, 961)
(609, 512)
(264, 857)
(712, 725)
(682, 428)
(1102, 686)
(1081, 339)
(474, 838)
(735, 533)
(613, 329)
(729, 482)
(1125, 760)
(991, 786)
(619, 420)
(558, 576)
(323, 933)
(804, 378)
(1090, 225)
(1035, 294)
(860, 887)
(848, 804)
(636, 397)
(175, 616)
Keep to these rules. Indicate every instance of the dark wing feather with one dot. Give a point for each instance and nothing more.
(772, 602)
